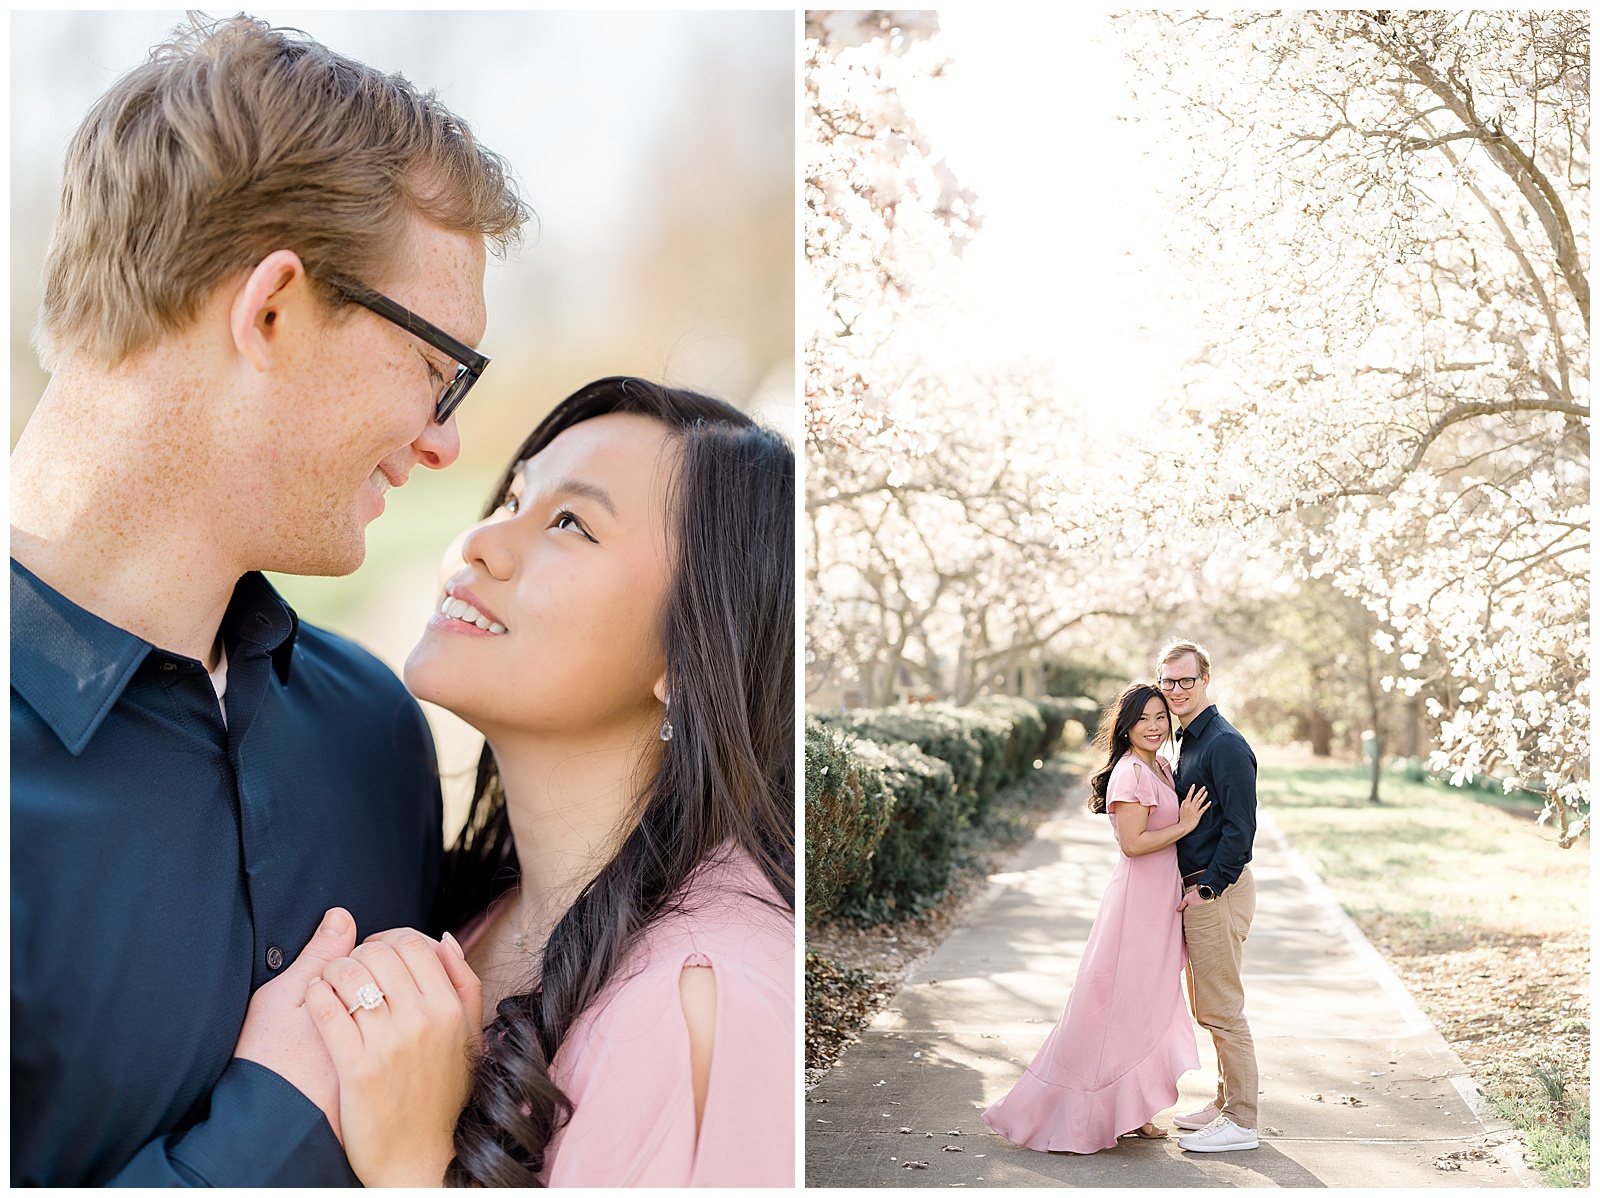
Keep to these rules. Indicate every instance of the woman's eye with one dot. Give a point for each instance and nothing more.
(512, 504)
(566, 520)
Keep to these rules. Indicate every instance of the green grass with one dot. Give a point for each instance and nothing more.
(1427, 852)
(1556, 1132)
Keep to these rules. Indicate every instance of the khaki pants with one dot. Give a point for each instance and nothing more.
(1215, 933)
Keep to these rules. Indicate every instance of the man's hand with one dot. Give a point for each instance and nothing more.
(278, 1032)
(1191, 898)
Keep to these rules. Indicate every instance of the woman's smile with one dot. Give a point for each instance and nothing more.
(462, 611)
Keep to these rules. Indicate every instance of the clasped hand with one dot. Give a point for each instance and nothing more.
(391, 1079)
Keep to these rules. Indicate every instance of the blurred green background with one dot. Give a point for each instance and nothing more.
(657, 150)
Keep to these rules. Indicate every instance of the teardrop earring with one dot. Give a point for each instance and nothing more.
(666, 722)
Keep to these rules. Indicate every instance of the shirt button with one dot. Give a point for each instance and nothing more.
(274, 957)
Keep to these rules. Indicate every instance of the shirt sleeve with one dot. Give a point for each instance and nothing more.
(260, 1131)
(1233, 775)
(633, 1098)
(1131, 782)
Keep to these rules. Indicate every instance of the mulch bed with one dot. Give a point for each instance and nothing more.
(1507, 1004)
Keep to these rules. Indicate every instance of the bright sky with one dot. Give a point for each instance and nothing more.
(1067, 267)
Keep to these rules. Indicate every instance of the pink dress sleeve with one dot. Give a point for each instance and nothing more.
(1131, 782)
(629, 1079)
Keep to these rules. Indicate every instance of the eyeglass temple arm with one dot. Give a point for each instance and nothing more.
(410, 321)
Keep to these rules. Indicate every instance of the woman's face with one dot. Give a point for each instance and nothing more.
(1150, 729)
(550, 622)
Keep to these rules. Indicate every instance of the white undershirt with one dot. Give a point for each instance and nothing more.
(219, 679)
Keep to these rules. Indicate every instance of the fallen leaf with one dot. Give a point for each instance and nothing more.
(905, 1131)
(923, 1165)
(952, 1148)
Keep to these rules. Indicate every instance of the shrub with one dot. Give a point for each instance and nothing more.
(847, 809)
(1055, 713)
(971, 743)
(1025, 745)
(912, 864)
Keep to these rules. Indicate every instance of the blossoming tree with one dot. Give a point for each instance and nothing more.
(1385, 219)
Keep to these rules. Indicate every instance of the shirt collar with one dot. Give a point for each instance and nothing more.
(1197, 726)
(71, 666)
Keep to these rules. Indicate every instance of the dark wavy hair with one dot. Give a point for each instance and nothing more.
(727, 774)
(1116, 728)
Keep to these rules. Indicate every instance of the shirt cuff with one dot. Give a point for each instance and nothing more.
(261, 1132)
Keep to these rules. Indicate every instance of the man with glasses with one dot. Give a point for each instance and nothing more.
(260, 300)
(1219, 896)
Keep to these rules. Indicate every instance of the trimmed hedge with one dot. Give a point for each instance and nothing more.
(971, 743)
(913, 860)
(1055, 712)
(889, 791)
(847, 809)
(1025, 745)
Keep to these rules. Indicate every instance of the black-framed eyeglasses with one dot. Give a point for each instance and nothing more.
(470, 364)
(1167, 684)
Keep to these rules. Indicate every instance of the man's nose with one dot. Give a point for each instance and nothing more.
(438, 445)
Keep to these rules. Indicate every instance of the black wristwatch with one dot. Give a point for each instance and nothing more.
(1205, 892)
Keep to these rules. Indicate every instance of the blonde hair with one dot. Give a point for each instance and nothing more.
(1177, 649)
(235, 139)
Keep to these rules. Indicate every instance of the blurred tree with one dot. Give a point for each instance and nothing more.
(881, 215)
(1386, 217)
(941, 568)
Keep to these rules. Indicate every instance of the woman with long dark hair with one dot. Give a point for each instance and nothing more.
(1114, 1058)
(621, 629)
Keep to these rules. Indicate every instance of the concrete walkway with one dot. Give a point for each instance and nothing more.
(1357, 1086)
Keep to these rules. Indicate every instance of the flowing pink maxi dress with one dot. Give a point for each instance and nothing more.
(1115, 1057)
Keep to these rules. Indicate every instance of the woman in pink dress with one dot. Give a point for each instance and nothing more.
(1114, 1059)
(620, 626)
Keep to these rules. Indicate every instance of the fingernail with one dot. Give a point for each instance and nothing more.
(336, 922)
(316, 981)
(453, 944)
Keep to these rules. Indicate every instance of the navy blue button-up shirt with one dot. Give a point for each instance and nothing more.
(165, 864)
(1212, 754)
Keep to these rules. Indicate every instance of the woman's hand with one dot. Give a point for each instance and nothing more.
(1194, 805)
(405, 1065)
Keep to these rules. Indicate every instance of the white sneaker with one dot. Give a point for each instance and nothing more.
(1223, 1135)
(1198, 1119)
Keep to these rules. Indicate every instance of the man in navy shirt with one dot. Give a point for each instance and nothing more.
(260, 300)
(1219, 897)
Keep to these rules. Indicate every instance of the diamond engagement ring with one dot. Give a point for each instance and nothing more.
(368, 998)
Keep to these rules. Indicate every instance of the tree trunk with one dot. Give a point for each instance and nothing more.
(1377, 766)
(1320, 729)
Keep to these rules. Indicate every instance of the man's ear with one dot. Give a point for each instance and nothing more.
(257, 317)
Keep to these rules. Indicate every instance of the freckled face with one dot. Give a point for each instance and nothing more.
(1152, 726)
(357, 414)
(574, 569)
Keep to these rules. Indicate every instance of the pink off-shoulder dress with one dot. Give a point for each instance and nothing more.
(625, 1063)
(1114, 1058)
